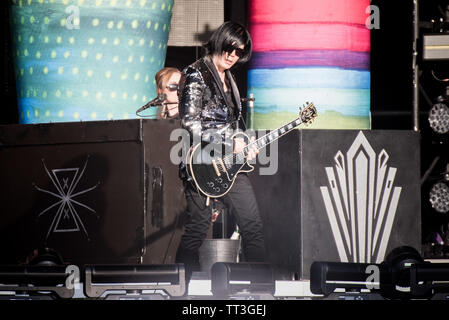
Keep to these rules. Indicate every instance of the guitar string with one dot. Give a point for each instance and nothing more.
(272, 134)
(310, 108)
(238, 155)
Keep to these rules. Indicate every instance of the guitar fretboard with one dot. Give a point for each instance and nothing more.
(306, 116)
(260, 143)
(274, 135)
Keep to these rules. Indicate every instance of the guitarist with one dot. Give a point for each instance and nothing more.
(209, 105)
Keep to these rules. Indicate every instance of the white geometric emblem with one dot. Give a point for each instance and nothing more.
(361, 202)
(66, 217)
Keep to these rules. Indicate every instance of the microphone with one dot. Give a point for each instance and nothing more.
(155, 102)
(251, 99)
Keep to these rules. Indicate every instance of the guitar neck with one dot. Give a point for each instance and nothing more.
(273, 135)
(306, 115)
(262, 142)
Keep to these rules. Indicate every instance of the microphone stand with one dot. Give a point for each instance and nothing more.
(158, 101)
(166, 109)
(139, 115)
(157, 105)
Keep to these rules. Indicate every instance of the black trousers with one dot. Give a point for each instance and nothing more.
(241, 202)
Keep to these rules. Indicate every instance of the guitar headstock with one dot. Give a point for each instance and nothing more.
(308, 113)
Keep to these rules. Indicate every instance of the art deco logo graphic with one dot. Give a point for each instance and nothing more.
(66, 217)
(361, 202)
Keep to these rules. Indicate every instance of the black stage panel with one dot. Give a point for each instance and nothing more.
(85, 189)
(165, 200)
(340, 195)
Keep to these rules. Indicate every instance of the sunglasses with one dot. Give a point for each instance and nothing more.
(239, 52)
(172, 87)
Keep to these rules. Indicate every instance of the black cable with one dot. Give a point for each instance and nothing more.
(436, 78)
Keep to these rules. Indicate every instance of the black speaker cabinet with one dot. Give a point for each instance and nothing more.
(96, 192)
(339, 195)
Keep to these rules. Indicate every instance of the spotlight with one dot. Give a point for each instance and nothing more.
(35, 282)
(439, 197)
(394, 278)
(439, 118)
(430, 279)
(326, 277)
(44, 257)
(43, 277)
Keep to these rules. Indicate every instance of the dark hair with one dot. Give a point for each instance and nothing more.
(228, 34)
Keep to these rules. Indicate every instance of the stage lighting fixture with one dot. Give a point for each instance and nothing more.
(228, 278)
(326, 277)
(430, 279)
(439, 118)
(37, 281)
(435, 46)
(110, 280)
(439, 197)
(390, 279)
(44, 257)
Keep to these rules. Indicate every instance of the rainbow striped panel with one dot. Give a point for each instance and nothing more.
(310, 51)
(85, 60)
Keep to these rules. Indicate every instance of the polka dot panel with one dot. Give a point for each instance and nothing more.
(81, 60)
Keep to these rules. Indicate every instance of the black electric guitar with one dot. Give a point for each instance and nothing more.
(215, 175)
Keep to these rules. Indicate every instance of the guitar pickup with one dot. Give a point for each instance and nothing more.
(218, 165)
(217, 171)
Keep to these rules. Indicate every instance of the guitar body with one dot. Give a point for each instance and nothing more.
(209, 172)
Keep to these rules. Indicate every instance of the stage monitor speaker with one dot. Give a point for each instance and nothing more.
(96, 192)
(338, 196)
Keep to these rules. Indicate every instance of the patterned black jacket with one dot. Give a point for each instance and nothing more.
(204, 107)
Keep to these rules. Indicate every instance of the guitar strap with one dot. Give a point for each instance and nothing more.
(235, 92)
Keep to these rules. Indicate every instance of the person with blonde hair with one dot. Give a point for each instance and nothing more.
(167, 80)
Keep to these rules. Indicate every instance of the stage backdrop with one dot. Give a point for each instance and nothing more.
(81, 60)
(317, 51)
